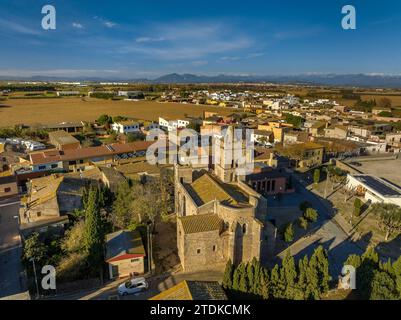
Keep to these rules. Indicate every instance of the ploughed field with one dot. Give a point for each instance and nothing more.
(52, 111)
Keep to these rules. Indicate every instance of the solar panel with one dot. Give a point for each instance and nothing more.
(379, 186)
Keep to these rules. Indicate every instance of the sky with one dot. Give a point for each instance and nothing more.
(145, 39)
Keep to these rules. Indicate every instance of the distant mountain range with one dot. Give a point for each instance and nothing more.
(355, 80)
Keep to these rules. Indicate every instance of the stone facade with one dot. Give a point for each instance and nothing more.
(218, 221)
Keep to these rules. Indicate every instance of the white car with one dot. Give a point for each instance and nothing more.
(133, 286)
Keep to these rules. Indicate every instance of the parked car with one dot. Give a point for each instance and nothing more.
(133, 286)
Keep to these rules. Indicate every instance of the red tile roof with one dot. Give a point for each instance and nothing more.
(50, 156)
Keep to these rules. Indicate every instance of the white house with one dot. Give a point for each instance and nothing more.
(171, 125)
(263, 137)
(374, 189)
(126, 127)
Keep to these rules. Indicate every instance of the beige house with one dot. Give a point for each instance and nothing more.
(8, 186)
(63, 140)
(125, 254)
(336, 132)
(312, 155)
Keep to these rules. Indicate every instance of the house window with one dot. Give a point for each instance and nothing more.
(135, 260)
(6, 190)
(214, 248)
(198, 251)
(244, 229)
(39, 214)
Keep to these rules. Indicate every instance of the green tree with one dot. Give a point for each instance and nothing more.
(290, 275)
(289, 233)
(243, 280)
(121, 215)
(311, 215)
(93, 234)
(303, 223)
(320, 260)
(34, 248)
(383, 287)
(316, 176)
(228, 275)
(104, 119)
(389, 216)
(397, 275)
(277, 287)
(357, 207)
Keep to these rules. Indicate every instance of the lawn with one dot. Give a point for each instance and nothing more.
(50, 111)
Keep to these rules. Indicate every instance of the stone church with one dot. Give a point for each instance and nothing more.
(219, 217)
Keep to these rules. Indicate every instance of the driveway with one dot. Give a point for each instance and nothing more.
(12, 274)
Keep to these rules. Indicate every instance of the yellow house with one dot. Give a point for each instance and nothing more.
(278, 129)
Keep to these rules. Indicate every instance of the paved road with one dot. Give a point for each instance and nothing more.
(156, 285)
(12, 277)
(327, 233)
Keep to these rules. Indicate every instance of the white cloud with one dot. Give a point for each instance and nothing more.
(106, 23)
(188, 41)
(109, 24)
(77, 25)
(16, 27)
(149, 39)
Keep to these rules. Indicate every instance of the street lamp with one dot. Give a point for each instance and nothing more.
(36, 278)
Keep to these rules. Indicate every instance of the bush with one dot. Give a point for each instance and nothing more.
(289, 233)
(303, 223)
(357, 207)
(311, 215)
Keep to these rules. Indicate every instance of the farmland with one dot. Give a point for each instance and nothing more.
(51, 111)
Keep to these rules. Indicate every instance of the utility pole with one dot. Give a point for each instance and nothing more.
(149, 239)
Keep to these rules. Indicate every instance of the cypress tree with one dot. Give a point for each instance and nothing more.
(264, 283)
(236, 279)
(250, 272)
(322, 264)
(228, 275)
(275, 282)
(312, 280)
(243, 281)
(289, 275)
(94, 237)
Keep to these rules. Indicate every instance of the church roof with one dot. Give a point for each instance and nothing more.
(201, 223)
(193, 290)
(207, 188)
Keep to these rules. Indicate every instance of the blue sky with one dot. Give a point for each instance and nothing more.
(130, 39)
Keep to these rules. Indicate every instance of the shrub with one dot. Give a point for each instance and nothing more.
(289, 233)
(357, 207)
(311, 214)
(303, 223)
